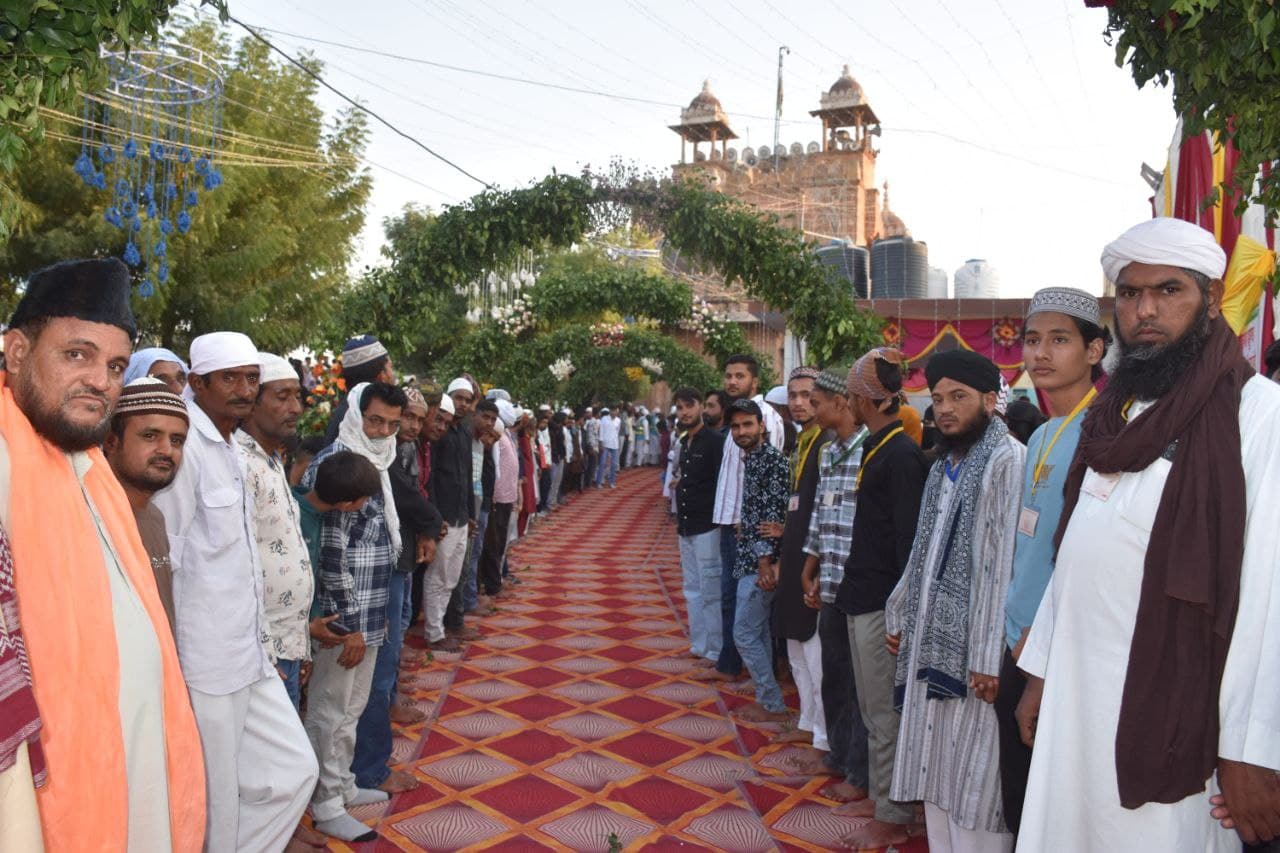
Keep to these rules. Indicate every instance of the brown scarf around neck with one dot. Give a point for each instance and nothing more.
(1167, 737)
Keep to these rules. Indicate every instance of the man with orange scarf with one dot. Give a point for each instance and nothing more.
(119, 740)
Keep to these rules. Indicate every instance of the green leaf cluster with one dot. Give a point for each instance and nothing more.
(1222, 58)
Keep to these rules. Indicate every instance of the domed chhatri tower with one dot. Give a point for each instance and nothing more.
(704, 121)
(825, 188)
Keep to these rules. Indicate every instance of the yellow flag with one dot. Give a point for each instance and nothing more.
(1252, 266)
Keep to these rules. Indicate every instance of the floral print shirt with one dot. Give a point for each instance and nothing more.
(287, 581)
(765, 492)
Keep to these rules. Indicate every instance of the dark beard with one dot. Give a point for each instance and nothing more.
(959, 445)
(147, 481)
(1149, 371)
(65, 435)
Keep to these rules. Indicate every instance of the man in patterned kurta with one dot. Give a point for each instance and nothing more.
(945, 619)
(287, 582)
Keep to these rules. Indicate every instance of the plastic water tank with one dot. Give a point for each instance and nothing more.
(938, 281)
(977, 279)
(852, 263)
(899, 269)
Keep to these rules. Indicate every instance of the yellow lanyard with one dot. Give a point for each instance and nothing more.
(1046, 449)
(804, 444)
(857, 483)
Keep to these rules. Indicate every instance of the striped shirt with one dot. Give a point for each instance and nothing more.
(728, 506)
(831, 524)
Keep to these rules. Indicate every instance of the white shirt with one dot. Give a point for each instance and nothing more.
(591, 433)
(609, 427)
(728, 504)
(217, 577)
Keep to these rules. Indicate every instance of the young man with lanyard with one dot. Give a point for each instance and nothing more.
(890, 483)
(792, 620)
(827, 544)
(1063, 345)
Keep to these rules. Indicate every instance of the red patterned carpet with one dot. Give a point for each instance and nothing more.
(573, 725)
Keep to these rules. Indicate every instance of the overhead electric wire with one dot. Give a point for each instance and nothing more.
(946, 51)
(1075, 55)
(702, 48)
(393, 128)
(982, 47)
(650, 71)
(668, 104)
(1035, 66)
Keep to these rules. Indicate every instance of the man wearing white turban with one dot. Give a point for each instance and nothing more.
(259, 767)
(1151, 660)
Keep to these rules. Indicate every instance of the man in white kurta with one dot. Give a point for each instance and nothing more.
(1080, 643)
(1081, 640)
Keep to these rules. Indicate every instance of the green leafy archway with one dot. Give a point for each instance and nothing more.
(524, 367)
(711, 230)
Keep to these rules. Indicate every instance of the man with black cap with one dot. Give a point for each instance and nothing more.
(259, 765)
(945, 618)
(118, 739)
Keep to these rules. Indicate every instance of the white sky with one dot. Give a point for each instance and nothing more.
(1009, 133)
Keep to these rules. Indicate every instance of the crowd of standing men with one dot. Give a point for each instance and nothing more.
(1061, 644)
(183, 582)
(1053, 637)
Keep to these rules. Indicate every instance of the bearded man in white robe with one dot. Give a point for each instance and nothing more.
(1153, 657)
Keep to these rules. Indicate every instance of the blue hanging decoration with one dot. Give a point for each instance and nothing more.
(151, 141)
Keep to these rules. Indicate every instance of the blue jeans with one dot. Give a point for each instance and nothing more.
(469, 580)
(292, 670)
(755, 642)
(373, 732)
(700, 563)
(730, 662)
(608, 467)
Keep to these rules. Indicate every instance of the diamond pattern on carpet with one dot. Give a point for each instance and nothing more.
(574, 721)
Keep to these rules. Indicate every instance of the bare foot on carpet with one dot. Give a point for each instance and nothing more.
(297, 845)
(810, 765)
(399, 782)
(857, 808)
(703, 663)
(711, 675)
(756, 714)
(309, 836)
(843, 792)
(406, 715)
(792, 736)
(876, 835)
(742, 688)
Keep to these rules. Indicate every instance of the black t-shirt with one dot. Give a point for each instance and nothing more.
(700, 456)
(884, 526)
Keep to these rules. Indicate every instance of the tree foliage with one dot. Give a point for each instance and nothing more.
(268, 251)
(770, 262)
(1223, 59)
(523, 367)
